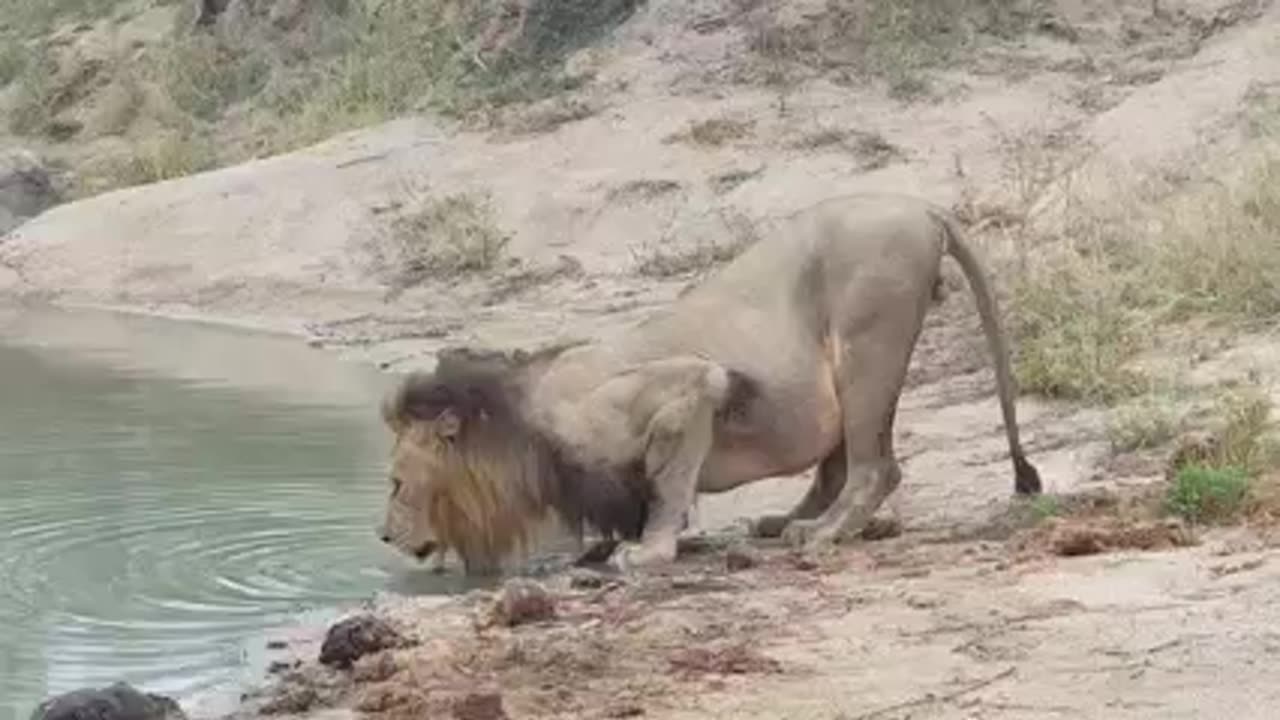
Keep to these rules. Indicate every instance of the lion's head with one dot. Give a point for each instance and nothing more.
(464, 473)
(471, 475)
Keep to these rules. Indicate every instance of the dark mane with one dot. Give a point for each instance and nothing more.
(483, 389)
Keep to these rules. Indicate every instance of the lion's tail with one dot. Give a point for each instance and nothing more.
(1026, 477)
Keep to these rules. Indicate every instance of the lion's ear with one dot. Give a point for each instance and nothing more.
(447, 424)
(390, 408)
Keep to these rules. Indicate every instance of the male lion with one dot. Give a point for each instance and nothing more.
(791, 356)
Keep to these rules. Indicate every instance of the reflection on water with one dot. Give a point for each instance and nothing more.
(167, 492)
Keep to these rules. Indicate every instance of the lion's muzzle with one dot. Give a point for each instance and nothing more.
(423, 551)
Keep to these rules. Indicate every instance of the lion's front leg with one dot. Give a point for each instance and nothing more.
(679, 438)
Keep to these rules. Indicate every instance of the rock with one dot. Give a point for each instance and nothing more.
(279, 667)
(355, 637)
(207, 11)
(587, 579)
(741, 556)
(523, 601)
(1192, 448)
(479, 706)
(26, 188)
(120, 701)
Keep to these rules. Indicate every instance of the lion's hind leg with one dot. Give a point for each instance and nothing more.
(871, 371)
(828, 479)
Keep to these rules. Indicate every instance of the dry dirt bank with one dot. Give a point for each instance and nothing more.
(615, 212)
(900, 628)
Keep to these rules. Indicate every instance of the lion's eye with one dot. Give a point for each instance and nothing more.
(395, 486)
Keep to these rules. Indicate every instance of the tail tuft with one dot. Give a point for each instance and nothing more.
(1026, 479)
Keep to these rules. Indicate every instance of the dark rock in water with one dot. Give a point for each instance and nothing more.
(120, 701)
(355, 637)
(523, 601)
(480, 706)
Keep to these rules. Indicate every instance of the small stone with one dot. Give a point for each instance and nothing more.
(523, 601)
(741, 557)
(1192, 448)
(120, 701)
(803, 562)
(279, 667)
(291, 701)
(479, 706)
(355, 637)
(586, 580)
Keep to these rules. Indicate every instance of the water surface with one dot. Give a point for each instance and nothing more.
(170, 491)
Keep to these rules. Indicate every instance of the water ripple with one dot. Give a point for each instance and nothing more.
(151, 529)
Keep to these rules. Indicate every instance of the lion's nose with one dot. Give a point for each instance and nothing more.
(384, 535)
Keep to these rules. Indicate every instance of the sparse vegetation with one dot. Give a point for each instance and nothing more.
(872, 149)
(661, 262)
(668, 262)
(894, 42)
(714, 132)
(1045, 506)
(271, 81)
(1147, 422)
(444, 236)
(1214, 476)
(1201, 494)
(1091, 296)
(164, 157)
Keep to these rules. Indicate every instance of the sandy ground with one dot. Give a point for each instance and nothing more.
(927, 625)
(901, 628)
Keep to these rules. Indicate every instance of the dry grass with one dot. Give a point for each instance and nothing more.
(665, 261)
(163, 157)
(872, 149)
(1111, 280)
(894, 42)
(440, 237)
(714, 132)
(1146, 422)
(264, 85)
(1223, 476)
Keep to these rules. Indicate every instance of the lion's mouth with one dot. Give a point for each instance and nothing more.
(423, 551)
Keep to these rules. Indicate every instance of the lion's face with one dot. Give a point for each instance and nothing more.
(456, 483)
(417, 481)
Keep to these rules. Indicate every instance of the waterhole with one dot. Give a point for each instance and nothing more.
(168, 493)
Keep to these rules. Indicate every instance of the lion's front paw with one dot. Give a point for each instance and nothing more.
(635, 556)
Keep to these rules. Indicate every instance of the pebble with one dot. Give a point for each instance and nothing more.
(355, 637)
(523, 601)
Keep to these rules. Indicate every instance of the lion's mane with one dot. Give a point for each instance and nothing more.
(500, 475)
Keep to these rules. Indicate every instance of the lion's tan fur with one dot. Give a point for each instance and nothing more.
(485, 495)
(791, 357)
(485, 490)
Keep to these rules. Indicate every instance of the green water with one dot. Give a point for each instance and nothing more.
(169, 492)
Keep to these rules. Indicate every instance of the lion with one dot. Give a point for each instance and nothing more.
(792, 356)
